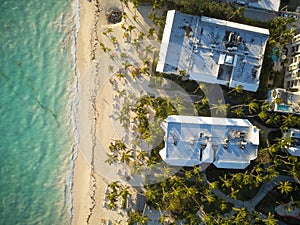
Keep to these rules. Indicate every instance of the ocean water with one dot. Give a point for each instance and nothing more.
(36, 135)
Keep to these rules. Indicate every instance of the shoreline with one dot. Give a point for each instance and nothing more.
(81, 171)
(88, 186)
(96, 113)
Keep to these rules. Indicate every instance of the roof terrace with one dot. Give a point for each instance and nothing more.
(228, 143)
(213, 51)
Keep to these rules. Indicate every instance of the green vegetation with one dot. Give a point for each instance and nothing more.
(276, 197)
(190, 195)
(185, 195)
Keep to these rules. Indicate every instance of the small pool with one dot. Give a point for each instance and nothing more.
(284, 108)
(275, 55)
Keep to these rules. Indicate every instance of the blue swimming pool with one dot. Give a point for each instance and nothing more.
(284, 108)
(275, 55)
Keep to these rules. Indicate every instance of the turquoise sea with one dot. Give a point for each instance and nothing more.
(37, 80)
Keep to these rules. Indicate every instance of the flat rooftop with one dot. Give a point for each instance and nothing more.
(226, 142)
(212, 50)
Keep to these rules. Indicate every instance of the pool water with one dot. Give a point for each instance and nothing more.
(284, 108)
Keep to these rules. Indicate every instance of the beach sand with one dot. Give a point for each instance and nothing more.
(92, 175)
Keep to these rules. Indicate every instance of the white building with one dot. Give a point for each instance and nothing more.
(225, 142)
(294, 148)
(265, 5)
(212, 50)
(292, 76)
(284, 101)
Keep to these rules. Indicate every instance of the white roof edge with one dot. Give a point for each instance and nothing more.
(165, 40)
(235, 25)
(254, 135)
(231, 164)
(246, 86)
(208, 120)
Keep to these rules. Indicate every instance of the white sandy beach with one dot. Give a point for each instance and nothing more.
(97, 126)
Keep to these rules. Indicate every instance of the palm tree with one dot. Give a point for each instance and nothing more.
(125, 3)
(162, 218)
(127, 65)
(204, 100)
(241, 215)
(124, 194)
(123, 26)
(120, 75)
(252, 107)
(124, 16)
(136, 71)
(112, 196)
(151, 194)
(112, 158)
(237, 89)
(157, 5)
(114, 40)
(201, 86)
(259, 179)
(143, 155)
(125, 36)
(141, 35)
(126, 156)
(136, 44)
(124, 56)
(136, 4)
(233, 193)
(134, 17)
(239, 111)
(263, 115)
(160, 22)
(109, 30)
(130, 28)
(181, 73)
(148, 49)
(209, 197)
(151, 32)
(213, 185)
(288, 120)
(152, 15)
(137, 217)
(115, 185)
(247, 179)
(104, 48)
(145, 70)
(110, 68)
(220, 108)
(270, 220)
(273, 118)
(226, 182)
(285, 187)
(239, 11)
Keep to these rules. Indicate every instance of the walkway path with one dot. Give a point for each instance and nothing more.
(263, 191)
(266, 130)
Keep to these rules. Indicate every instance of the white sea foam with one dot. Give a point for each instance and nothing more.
(74, 100)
